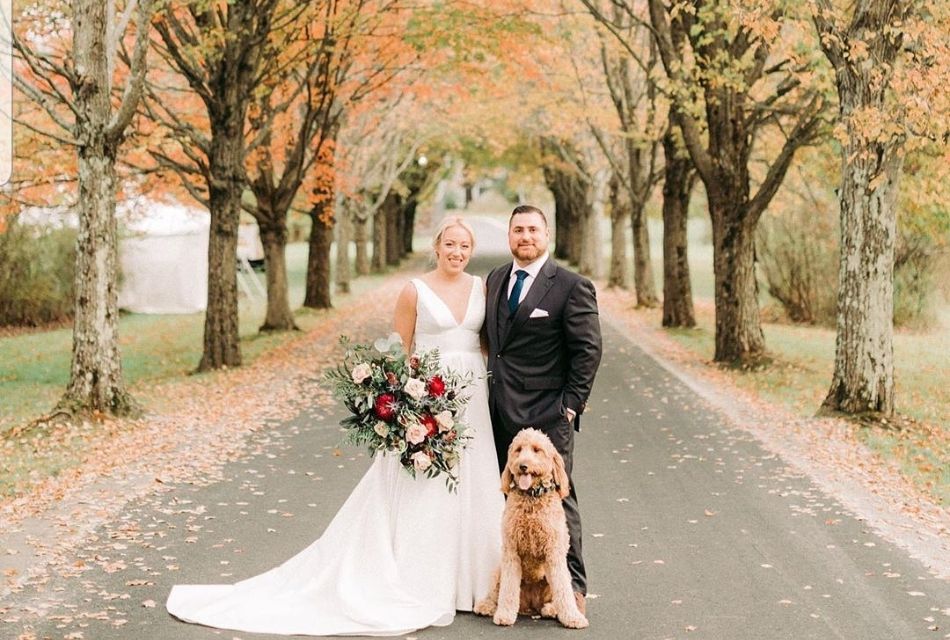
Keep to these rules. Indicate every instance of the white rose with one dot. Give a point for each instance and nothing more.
(421, 460)
(416, 433)
(444, 418)
(381, 429)
(416, 388)
(361, 372)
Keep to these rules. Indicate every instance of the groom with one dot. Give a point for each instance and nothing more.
(543, 351)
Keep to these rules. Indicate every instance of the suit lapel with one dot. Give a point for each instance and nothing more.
(536, 293)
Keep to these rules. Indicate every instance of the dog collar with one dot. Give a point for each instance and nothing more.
(537, 490)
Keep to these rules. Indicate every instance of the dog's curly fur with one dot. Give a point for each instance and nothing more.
(533, 576)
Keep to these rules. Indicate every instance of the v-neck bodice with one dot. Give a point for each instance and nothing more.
(436, 327)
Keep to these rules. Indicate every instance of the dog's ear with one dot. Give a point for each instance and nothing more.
(560, 475)
(505, 480)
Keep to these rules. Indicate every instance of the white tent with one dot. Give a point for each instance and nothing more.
(163, 253)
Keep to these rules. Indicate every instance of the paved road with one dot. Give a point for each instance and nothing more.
(691, 530)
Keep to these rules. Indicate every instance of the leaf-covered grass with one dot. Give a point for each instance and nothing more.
(156, 349)
(800, 373)
(34, 367)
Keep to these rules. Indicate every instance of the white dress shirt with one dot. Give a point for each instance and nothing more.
(533, 269)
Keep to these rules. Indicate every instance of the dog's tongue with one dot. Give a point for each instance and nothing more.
(525, 481)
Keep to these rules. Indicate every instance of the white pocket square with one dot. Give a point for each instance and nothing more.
(539, 313)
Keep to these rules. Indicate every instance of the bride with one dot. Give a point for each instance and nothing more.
(401, 553)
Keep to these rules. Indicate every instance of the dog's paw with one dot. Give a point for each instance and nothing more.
(485, 608)
(548, 610)
(571, 621)
(504, 619)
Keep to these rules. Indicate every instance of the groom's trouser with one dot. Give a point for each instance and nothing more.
(561, 434)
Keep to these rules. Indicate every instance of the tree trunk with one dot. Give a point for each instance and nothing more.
(863, 379)
(379, 239)
(871, 159)
(343, 233)
(591, 253)
(410, 225)
(739, 337)
(95, 380)
(318, 260)
(95, 377)
(221, 335)
(361, 232)
(643, 280)
(677, 289)
(562, 224)
(393, 208)
(279, 316)
(619, 214)
(720, 148)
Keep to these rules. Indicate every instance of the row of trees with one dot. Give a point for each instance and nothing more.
(326, 109)
(727, 94)
(245, 106)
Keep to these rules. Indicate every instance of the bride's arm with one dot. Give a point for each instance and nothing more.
(404, 318)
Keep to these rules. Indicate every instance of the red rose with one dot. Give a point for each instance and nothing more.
(383, 407)
(436, 386)
(432, 427)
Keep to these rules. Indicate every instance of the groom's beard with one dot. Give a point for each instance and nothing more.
(528, 253)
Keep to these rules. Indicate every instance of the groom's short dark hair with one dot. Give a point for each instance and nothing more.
(527, 208)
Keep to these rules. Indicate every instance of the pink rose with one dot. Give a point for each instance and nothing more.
(421, 460)
(415, 388)
(416, 433)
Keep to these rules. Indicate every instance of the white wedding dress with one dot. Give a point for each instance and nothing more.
(402, 553)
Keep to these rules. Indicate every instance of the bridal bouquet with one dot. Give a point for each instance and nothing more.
(404, 404)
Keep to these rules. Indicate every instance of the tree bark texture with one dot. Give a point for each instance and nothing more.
(591, 255)
(677, 289)
(569, 186)
(361, 240)
(380, 226)
(393, 208)
(643, 278)
(409, 227)
(344, 230)
(279, 317)
(619, 214)
(863, 378)
(318, 259)
(221, 344)
(95, 379)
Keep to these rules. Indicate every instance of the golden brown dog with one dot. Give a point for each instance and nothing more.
(533, 577)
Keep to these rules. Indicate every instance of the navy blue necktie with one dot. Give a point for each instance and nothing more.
(515, 298)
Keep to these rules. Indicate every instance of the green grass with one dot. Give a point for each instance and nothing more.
(800, 373)
(803, 362)
(34, 368)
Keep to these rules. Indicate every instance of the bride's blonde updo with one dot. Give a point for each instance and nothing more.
(448, 222)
